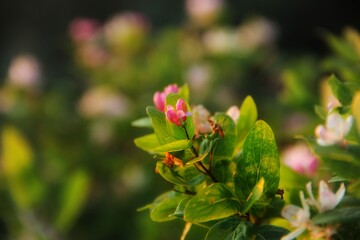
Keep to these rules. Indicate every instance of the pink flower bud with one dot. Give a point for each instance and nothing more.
(177, 115)
(159, 101)
(160, 97)
(172, 88)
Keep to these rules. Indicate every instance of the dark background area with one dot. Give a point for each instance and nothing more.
(40, 26)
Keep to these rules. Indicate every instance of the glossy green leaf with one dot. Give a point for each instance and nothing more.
(340, 215)
(147, 142)
(260, 160)
(270, 232)
(174, 146)
(223, 171)
(180, 209)
(183, 176)
(224, 147)
(247, 119)
(254, 196)
(230, 229)
(340, 90)
(213, 202)
(184, 92)
(159, 124)
(165, 205)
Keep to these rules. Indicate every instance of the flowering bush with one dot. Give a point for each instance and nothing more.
(225, 179)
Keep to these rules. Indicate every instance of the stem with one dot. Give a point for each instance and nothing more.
(206, 171)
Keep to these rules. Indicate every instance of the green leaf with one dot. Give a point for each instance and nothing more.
(342, 48)
(184, 176)
(340, 215)
(260, 160)
(213, 202)
(339, 160)
(173, 146)
(72, 199)
(165, 205)
(254, 196)
(184, 92)
(270, 232)
(246, 121)
(224, 147)
(321, 111)
(147, 142)
(142, 122)
(180, 210)
(223, 171)
(230, 229)
(340, 90)
(159, 124)
(355, 109)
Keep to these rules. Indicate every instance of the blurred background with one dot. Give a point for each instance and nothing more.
(75, 74)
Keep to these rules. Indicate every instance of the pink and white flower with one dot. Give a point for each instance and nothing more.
(335, 129)
(327, 200)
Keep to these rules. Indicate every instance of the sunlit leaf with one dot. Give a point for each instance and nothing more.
(213, 202)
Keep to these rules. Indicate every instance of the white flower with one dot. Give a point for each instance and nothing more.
(335, 129)
(24, 72)
(234, 113)
(297, 217)
(327, 200)
(200, 117)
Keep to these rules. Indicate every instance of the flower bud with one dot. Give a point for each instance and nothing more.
(160, 97)
(177, 115)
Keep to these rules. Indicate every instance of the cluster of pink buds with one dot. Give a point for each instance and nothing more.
(178, 114)
(160, 97)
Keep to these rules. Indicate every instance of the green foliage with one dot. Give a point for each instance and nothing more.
(214, 202)
(226, 177)
(260, 160)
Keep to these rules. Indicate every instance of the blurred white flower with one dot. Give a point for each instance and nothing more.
(299, 218)
(204, 12)
(201, 118)
(126, 31)
(221, 41)
(234, 113)
(299, 158)
(335, 129)
(24, 72)
(327, 200)
(104, 102)
(255, 33)
(198, 77)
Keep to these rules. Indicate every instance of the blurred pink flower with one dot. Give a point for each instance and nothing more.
(178, 114)
(24, 72)
(299, 158)
(83, 29)
(160, 97)
(204, 12)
